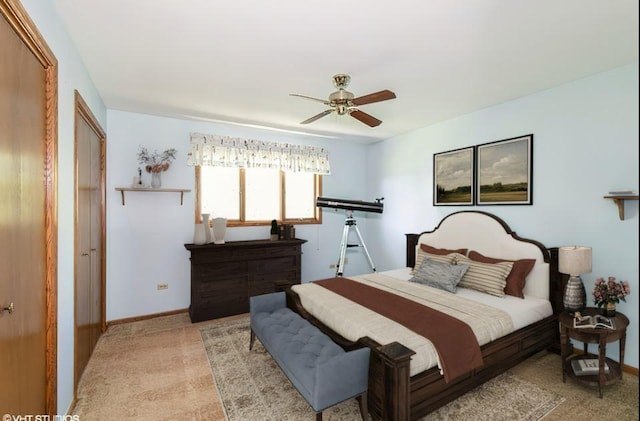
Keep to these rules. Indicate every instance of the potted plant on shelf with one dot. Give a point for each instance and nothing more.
(156, 163)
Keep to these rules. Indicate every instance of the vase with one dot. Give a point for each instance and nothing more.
(207, 229)
(199, 236)
(219, 229)
(610, 310)
(575, 295)
(156, 181)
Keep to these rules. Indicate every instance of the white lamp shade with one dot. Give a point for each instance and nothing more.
(574, 260)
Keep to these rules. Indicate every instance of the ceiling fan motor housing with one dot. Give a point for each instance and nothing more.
(341, 100)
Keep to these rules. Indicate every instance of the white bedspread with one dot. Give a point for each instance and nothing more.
(489, 319)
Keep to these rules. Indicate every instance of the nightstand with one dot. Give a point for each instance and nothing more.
(600, 336)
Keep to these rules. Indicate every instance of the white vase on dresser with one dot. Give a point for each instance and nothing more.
(207, 229)
(219, 230)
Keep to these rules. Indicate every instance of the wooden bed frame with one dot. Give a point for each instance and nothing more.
(395, 396)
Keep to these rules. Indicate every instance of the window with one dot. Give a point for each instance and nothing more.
(255, 196)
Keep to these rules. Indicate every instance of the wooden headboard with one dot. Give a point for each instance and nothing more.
(491, 236)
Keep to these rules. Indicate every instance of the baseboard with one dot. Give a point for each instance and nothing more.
(146, 317)
(72, 407)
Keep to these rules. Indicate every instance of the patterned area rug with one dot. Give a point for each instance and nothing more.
(253, 387)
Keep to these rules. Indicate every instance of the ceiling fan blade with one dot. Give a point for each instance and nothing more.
(374, 97)
(324, 101)
(317, 116)
(365, 118)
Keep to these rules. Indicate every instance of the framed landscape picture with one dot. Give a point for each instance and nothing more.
(504, 172)
(453, 177)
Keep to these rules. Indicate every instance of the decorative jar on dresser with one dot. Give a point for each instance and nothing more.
(224, 276)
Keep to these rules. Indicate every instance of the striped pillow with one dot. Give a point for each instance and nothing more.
(490, 278)
(442, 258)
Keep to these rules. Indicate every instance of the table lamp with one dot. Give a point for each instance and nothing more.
(573, 261)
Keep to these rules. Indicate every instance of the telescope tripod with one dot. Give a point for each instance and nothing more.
(349, 223)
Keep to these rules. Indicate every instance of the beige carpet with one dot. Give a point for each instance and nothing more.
(149, 370)
(157, 369)
(252, 387)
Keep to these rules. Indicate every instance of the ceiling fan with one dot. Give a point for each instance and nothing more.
(344, 102)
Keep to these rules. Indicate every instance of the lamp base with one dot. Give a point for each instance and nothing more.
(575, 296)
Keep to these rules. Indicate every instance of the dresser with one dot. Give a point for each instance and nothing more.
(224, 276)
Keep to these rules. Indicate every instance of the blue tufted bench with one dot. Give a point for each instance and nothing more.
(323, 372)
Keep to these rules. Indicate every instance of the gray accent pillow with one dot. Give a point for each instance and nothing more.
(440, 275)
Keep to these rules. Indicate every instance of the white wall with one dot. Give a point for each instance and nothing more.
(72, 75)
(146, 237)
(585, 144)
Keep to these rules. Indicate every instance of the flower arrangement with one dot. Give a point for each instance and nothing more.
(610, 291)
(156, 162)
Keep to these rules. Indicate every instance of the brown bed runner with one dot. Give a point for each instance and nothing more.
(454, 341)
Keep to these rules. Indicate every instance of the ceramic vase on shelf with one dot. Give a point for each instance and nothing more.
(219, 229)
(156, 180)
(207, 229)
(199, 236)
(610, 310)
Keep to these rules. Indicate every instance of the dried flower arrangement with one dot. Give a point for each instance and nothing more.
(156, 162)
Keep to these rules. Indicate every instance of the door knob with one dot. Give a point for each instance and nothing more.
(9, 308)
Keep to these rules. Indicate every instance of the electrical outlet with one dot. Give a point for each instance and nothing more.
(346, 260)
(163, 286)
(332, 266)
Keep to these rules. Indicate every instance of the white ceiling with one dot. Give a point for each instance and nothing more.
(237, 61)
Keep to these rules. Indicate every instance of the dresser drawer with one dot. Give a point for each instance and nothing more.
(276, 264)
(222, 288)
(219, 271)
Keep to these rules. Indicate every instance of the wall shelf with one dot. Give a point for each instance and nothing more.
(148, 189)
(619, 200)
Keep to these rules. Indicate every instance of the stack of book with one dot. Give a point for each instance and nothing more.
(588, 367)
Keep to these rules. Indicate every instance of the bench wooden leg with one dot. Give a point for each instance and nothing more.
(253, 337)
(319, 416)
(362, 399)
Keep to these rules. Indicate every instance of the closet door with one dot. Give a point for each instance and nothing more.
(28, 231)
(90, 263)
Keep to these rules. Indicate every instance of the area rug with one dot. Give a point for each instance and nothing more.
(252, 387)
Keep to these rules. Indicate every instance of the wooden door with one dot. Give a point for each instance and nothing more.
(90, 235)
(28, 231)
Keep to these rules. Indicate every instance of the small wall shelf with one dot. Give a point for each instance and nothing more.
(619, 200)
(148, 189)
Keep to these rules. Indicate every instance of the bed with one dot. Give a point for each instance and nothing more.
(406, 378)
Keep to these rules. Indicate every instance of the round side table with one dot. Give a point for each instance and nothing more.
(600, 336)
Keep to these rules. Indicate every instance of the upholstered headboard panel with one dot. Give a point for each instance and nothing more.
(490, 236)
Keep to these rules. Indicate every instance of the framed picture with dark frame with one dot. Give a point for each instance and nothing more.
(504, 172)
(453, 177)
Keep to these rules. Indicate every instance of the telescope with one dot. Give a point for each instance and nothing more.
(352, 205)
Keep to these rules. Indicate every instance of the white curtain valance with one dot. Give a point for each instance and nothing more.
(224, 151)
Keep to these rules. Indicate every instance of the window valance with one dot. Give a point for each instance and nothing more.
(224, 151)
